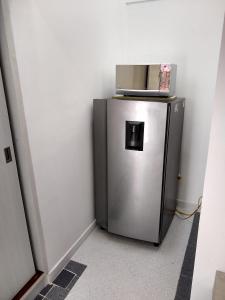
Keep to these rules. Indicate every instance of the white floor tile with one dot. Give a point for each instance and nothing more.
(124, 269)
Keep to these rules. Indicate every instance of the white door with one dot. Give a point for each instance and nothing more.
(16, 261)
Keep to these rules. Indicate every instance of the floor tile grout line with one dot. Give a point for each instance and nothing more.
(56, 285)
(71, 272)
(48, 290)
(53, 285)
(74, 272)
(68, 283)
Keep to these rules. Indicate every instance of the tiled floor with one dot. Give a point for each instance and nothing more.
(120, 268)
(185, 281)
(59, 289)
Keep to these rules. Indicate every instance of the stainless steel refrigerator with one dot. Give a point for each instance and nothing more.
(137, 143)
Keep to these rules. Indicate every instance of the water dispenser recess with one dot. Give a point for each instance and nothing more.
(134, 135)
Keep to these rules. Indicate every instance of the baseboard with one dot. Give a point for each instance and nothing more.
(186, 206)
(69, 254)
(35, 288)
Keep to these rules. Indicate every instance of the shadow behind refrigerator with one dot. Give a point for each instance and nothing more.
(137, 145)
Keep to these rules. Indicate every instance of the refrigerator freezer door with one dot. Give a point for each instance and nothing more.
(135, 177)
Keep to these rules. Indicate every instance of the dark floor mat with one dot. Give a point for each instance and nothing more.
(186, 275)
(61, 286)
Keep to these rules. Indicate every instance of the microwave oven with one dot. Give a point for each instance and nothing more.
(146, 80)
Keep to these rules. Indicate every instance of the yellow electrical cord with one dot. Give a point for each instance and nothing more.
(179, 213)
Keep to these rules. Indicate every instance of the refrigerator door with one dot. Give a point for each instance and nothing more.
(136, 138)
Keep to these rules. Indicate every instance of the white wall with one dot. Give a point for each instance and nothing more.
(66, 51)
(187, 33)
(211, 240)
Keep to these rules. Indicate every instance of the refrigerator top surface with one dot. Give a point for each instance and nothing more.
(148, 99)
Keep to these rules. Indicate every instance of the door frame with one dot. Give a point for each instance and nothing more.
(14, 99)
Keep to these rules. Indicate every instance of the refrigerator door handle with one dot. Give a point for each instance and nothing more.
(8, 155)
